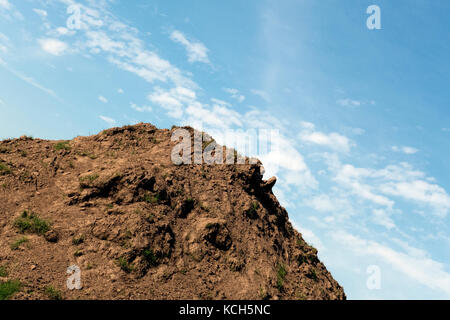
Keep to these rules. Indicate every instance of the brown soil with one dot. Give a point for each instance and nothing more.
(140, 227)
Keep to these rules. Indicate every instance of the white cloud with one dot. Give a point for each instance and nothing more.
(29, 80)
(414, 263)
(9, 12)
(382, 218)
(357, 131)
(40, 12)
(234, 93)
(405, 150)
(62, 31)
(348, 103)
(5, 43)
(400, 180)
(321, 203)
(262, 94)
(120, 90)
(307, 125)
(108, 120)
(220, 102)
(196, 51)
(5, 4)
(173, 100)
(217, 116)
(141, 109)
(332, 140)
(422, 192)
(53, 46)
(102, 99)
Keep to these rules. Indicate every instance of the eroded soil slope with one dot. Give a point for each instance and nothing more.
(140, 227)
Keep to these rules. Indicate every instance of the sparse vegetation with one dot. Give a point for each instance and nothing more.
(62, 146)
(87, 154)
(301, 259)
(3, 271)
(16, 244)
(281, 275)
(183, 271)
(263, 294)
(4, 169)
(156, 198)
(252, 211)
(52, 293)
(154, 140)
(312, 274)
(124, 264)
(150, 257)
(31, 223)
(90, 178)
(9, 288)
(78, 240)
(78, 253)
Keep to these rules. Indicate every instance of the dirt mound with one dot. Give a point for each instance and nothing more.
(139, 227)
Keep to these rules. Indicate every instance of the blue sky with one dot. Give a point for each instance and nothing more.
(362, 114)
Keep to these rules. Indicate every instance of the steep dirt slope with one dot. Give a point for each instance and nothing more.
(140, 227)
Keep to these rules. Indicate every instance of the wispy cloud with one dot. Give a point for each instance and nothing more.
(5, 43)
(40, 12)
(422, 192)
(262, 94)
(412, 262)
(332, 140)
(108, 120)
(102, 99)
(5, 4)
(405, 149)
(401, 181)
(348, 102)
(382, 218)
(53, 46)
(141, 108)
(196, 51)
(8, 11)
(234, 93)
(28, 80)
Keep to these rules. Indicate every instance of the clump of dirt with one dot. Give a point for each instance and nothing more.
(140, 227)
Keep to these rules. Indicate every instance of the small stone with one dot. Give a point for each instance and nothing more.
(33, 267)
(51, 236)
